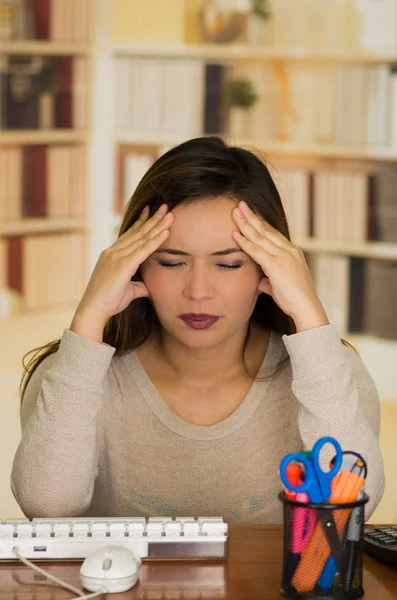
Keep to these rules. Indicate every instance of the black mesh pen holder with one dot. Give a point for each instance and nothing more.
(323, 550)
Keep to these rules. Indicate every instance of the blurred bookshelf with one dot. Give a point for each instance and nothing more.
(324, 120)
(45, 55)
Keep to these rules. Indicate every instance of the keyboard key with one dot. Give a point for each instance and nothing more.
(80, 529)
(136, 529)
(99, 529)
(154, 529)
(173, 529)
(191, 529)
(24, 530)
(43, 529)
(61, 530)
(117, 530)
(6, 530)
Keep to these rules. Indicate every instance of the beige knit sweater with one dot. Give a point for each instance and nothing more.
(98, 439)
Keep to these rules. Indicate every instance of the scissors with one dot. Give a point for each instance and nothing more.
(317, 483)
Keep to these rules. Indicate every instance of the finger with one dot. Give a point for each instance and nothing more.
(140, 290)
(158, 222)
(260, 255)
(260, 225)
(141, 249)
(144, 222)
(143, 216)
(265, 286)
(252, 234)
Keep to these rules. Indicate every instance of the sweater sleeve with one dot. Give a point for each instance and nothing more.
(56, 462)
(338, 398)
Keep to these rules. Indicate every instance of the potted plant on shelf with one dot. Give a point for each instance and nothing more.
(240, 97)
(257, 21)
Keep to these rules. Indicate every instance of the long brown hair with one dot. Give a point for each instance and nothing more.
(201, 168)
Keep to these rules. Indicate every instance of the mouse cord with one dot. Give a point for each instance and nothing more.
(57, 581)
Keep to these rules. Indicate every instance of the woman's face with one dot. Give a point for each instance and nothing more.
(202, 285)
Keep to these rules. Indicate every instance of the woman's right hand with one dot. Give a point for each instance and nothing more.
(110, 289)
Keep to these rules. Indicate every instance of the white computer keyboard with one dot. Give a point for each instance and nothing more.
(76, 538)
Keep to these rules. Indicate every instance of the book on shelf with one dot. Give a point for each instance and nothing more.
(379, 296)
(174, 98)
(331, 275)
(11, 188)
(42, 181)
(359, 295)
(62, 20)
(46, 270)
(53, 20)
(376, 25)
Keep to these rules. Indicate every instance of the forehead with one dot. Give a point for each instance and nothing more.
(203, 224)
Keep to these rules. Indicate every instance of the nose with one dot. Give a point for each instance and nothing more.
(198, 284)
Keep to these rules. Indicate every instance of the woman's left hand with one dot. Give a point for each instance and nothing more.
(287, 276)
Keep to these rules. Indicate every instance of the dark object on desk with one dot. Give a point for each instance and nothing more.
(381, 543)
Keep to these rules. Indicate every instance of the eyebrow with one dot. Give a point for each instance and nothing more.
(181, 253)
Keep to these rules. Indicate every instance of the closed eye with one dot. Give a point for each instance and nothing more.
(230, 266)
(226, 266)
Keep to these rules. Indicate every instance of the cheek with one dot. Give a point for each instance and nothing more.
(242, 287)
(160, 283)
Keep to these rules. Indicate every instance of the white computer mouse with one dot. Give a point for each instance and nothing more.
(113, 568)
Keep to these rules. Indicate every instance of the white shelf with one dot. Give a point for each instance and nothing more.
(323, 150)
(375, 250)
(44, 47)
(42, 136)
(41, 225)
(240, 52)
(273, 147)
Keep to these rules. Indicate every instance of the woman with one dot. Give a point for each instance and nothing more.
(197, 357)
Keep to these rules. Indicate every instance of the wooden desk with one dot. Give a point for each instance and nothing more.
(252, 572)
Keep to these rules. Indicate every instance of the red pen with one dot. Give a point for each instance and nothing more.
(294, 473)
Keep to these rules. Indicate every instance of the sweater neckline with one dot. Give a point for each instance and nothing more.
(223, 428)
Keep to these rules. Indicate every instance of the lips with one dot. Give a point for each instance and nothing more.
(199, 321)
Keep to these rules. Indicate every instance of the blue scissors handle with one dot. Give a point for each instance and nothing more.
(296, 457)
(317, 483)
(325, 478)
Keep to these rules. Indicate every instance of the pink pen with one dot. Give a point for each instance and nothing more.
(303, 523)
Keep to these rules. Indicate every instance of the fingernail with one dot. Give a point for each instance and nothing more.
(238, 213)
(243, 205)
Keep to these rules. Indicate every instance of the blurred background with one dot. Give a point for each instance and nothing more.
(93, 91)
